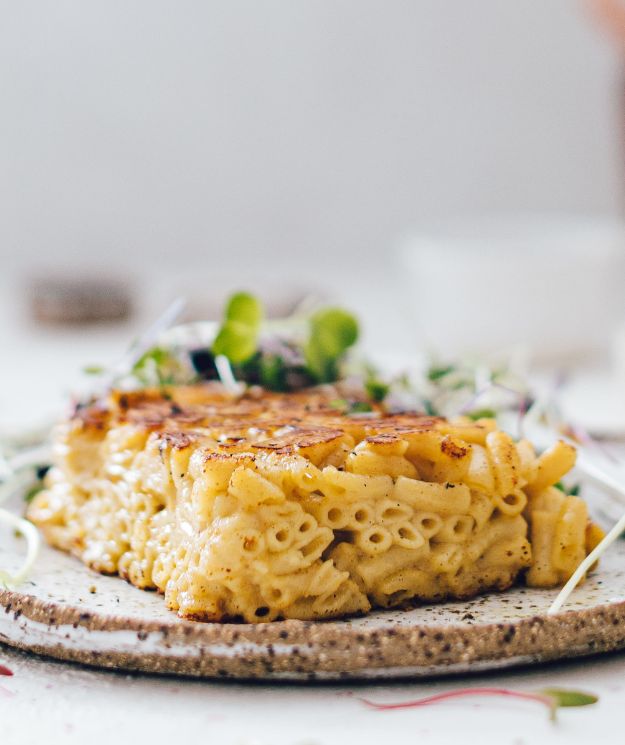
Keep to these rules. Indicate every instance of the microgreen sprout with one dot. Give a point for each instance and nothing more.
(23, 475)
(33, 541)
(376, 388)
(94, 370)
(17, 482)
(226, 375)
(437, 372)
(482, 414)
(32, 491)
(282, 355)
(351, 408)
(244, 308)
(237, 339)
(612, 535)
(159, 366)
(570, 491)
(332, 332)
(551, 698)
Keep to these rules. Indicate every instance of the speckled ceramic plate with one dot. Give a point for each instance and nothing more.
(69, 612)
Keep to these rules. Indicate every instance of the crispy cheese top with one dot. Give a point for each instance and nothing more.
(282, 423)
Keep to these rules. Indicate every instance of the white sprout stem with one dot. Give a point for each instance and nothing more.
(224, 370)
(37, 456)
(586, 466)
(15, 483)
(581, 570)
(146, 341)
(33, 542)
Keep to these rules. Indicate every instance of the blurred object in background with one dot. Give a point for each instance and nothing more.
(79, 300)
(207, 290)
(242, 135)
(553, 284)
(612, 14)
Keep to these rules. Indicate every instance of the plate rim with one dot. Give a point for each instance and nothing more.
(325, 650)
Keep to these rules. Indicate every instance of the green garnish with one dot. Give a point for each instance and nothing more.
(360, 407)
(272, 371)
(157, 366)
(564, 697)
(309, 348)
(286, 354)
(33, 491)
(436, 373)
(428, 408)
(551, 698)
(237, 339)
(244, 308)
(93, 370)
(351, 407)
(571, 491)
(332, 332)
(157, 355)
(376, 389)
(482, 414)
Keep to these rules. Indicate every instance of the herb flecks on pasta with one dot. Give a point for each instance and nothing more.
(270, 505)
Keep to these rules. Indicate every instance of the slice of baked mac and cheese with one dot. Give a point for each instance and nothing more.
(272, 505)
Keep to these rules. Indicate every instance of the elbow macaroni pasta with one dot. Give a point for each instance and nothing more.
(246, 515)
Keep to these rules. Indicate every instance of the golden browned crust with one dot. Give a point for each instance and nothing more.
(283, 423)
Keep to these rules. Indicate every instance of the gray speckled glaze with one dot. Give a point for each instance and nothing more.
(57, 614)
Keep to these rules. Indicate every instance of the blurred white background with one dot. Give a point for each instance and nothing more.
(306, 132)
(206, 145)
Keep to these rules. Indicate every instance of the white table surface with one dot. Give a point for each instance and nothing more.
(51, 702)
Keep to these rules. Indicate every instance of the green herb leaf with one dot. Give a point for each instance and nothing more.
(93, 370)
(322, 368)
(33, 491)
(243, 307)
(376, 389)
(351, 407)
(569, 697)
(237, 341)
(428, 408)
(158, 366)
(436, 373)
(158, 355)
(359, 407)
(332, 332)
(572, 491)
(272, 373)
(482, 414)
